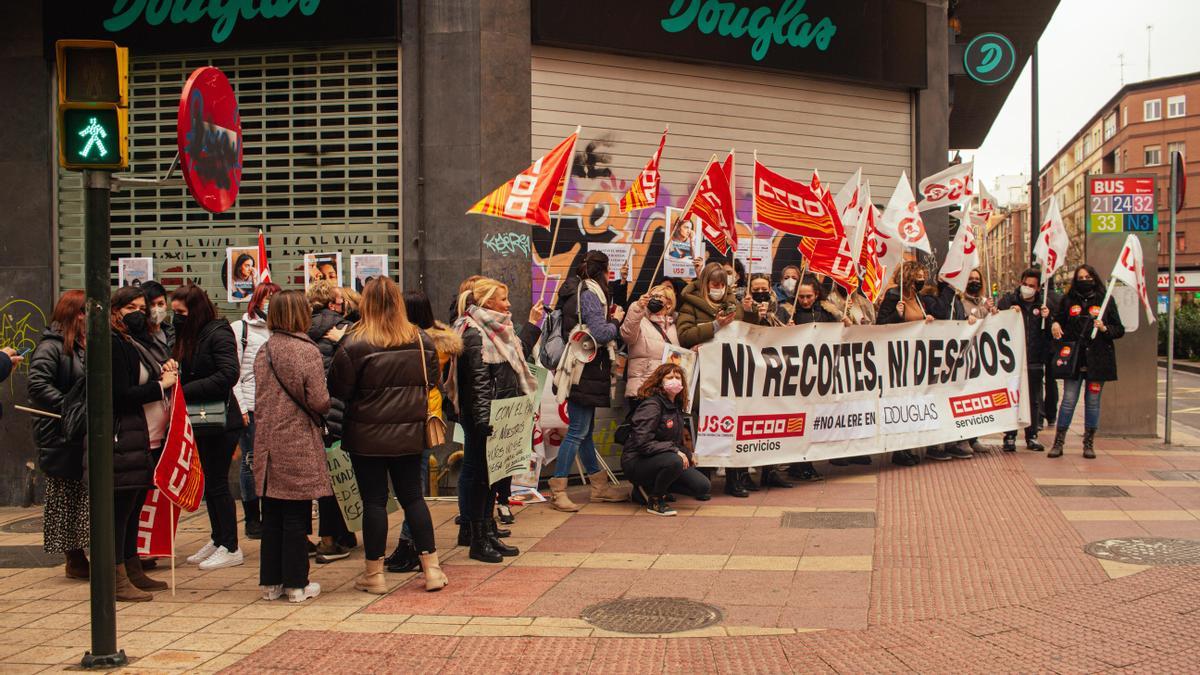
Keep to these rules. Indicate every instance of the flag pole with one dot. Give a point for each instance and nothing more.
(172, 525)
(556, 223)
(674, 223)
(796, 295)
(1112, 281)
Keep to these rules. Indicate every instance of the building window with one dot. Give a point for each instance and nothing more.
(1176, 106)
(1180, 243)
(1124, 116)
(1152, 110)
(1152, 156)
(1110, 126)
(1177, 146)
(1087, 146)
(1079, 152)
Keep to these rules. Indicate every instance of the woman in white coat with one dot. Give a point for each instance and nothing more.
(251, 333)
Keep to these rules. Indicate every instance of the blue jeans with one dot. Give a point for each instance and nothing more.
(581, 422)
(1091, 404)
(246, 470)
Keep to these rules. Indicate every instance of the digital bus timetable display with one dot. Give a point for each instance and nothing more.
(1121, 204)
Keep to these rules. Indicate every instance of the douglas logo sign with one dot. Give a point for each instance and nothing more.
(765, 25)
(224, 15)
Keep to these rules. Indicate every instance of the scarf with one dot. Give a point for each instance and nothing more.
(500, 342)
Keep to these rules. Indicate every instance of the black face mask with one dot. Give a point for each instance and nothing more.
(973, 287)
(655, 305)
(177, 321)
(918, 284)
(1084, 286)
(761, 296)
(136, 322)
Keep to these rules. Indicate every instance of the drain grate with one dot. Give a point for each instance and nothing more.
(30, 525)
(1083, 491)
(652, 615)
(828, 520)
(1176, 475)
(27, 556)
(1147, 551)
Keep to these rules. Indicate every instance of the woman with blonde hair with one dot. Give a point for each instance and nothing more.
(493, 366)
(384, 372)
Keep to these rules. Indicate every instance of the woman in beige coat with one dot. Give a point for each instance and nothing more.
(647, 329)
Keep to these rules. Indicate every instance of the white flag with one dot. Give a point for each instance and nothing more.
(1051, 248)
(962, 257)
(847, 197)
(952, 186)
(860, 228)
(1129, 271)
(987, 203)
(901, 226)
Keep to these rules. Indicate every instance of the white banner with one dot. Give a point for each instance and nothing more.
(823, 391)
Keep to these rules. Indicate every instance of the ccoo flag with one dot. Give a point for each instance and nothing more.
(791, 206)
(1129, 270)
(643, 194)
(873, 272)
(264, 267)
(178, 473)
(533, 194)
(711, 205)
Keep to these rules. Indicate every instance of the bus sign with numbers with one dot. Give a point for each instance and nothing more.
(1121, 203)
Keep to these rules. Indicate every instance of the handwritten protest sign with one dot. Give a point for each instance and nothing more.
(511, 443)
(345, 487)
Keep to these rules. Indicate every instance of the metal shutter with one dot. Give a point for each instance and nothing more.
(321, 168)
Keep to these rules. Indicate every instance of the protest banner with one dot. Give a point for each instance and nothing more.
(510, 446)
(157, 524)
(345, 487)
(824, 391)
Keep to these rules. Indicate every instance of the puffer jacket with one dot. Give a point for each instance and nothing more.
(814, 314)
(51, 374)
(251, 334)
(594, 386)
(324, 319)
(1077, 315)
(697, 313)
(133, 465)
(481, 383)
(1037, 331)
(211, 371)
(289, 451)
(645, 339)
(386, 399)
(657, 427)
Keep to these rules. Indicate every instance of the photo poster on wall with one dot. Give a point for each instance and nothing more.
(618, 259)
(684, 242)
(755, 253)
(241, 273)
(322, 267)
(134, 271)
(367, 267)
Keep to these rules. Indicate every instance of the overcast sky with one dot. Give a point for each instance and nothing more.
(1079, 69)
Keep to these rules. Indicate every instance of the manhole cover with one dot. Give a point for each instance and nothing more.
(1147, 551)
(1083, 491)
(30, 525)
(652, 615)
(27, 556)
(828, 520)
(1176, 475)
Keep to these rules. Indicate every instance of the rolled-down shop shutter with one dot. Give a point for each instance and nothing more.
(623, 103)
(321, 168)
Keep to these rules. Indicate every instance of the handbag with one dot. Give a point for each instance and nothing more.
(435, 426)
(318, 420)
(208, 417)
(1065, 361)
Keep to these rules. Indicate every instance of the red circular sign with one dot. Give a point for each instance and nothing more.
(210, 139)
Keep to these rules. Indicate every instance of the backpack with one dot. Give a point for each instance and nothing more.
(554, 343)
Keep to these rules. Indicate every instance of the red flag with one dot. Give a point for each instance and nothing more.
(873, 271)
(157, 525)
(643, 193)
(533, 194)
(791, 206)
(264, 267)
(712, 206)
(178, 474)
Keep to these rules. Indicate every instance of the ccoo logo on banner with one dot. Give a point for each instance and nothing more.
(823, 391)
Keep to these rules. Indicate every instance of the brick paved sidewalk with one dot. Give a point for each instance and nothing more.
(970, 565)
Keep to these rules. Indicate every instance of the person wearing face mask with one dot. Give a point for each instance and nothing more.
(1078, 317)
(785, 290)
(252, 333)
(647, 329)
(162, 333)
(918, 303)
(970, 306)
(1027, 299)
(655, 457)
(735, 273)
(763, 302)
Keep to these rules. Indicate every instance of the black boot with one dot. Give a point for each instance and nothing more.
(747, 481)
(500, 532)
(503, 549)
(771, 478)
(1089, 450)
(464, 533)
(403, 559)
(481, 544)
(1010, 441)
(1060, 437)
(733, 483)
(253, 519)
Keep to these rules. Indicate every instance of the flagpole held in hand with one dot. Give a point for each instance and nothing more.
(1104, 305)
(1045, 299)
(549, 259)
(796, 296)
(173, 524)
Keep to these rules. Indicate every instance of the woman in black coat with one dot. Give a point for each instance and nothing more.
(918, 303)
(1078, 317)
(206, 350)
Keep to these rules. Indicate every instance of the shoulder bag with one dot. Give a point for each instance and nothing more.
(435, 426)
(1065, 363)
(316, 419)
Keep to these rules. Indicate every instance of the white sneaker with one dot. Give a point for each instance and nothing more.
(203, 554)
(301, 594)
(223, 558)
(272, 592)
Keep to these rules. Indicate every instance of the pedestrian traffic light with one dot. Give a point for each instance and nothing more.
(93, 104)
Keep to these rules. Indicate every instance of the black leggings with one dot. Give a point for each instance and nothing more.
(656, 473)
(216, 453)
(372, 474)
(127, 511)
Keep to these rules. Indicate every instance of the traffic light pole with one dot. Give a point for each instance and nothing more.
(96, 266)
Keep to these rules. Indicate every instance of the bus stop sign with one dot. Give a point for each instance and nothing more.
(210, 139)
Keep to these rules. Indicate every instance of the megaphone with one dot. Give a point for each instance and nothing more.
(584, 346)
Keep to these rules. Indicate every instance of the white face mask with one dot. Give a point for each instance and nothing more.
(672, 386)
(716, 294)
(1027, 292)
(789, 285)
(158, 315)
(265, 307)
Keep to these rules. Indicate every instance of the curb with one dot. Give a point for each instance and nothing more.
(1185, 367)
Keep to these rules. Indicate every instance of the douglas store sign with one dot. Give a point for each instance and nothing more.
(874, 41)
(162, 26)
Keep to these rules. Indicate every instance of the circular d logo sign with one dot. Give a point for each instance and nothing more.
(989, 58)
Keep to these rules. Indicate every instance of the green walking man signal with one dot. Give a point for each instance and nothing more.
(95, 135)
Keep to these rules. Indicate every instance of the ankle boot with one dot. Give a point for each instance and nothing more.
(602, 488)
(464, 533)
(481, 544)
(559, 500)
(126, 591)
(435, 579)
(1089, 449)
(137, 577)
(494, 539)
(77, 564)
(372, 580)
(403, 559)
(1060, 437)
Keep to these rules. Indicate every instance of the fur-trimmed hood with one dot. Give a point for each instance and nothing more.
(445, 340)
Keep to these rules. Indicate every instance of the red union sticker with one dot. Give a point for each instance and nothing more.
(1076, 310)
(1094, 311)
(1065, 351)
(1095, 387)
(756, 427)
(983, 402)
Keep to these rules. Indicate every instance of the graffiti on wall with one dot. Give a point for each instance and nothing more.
(507, 243)
(21, 325)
